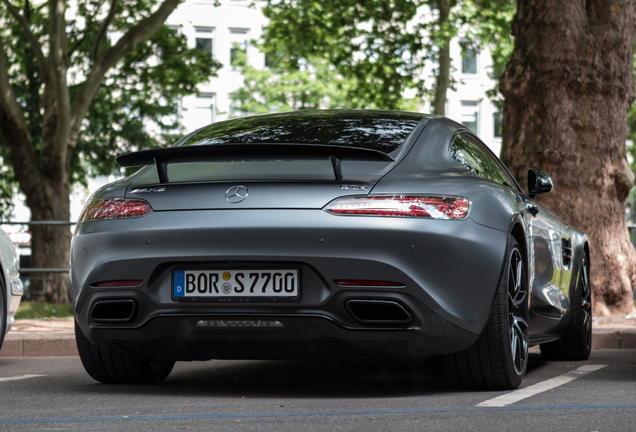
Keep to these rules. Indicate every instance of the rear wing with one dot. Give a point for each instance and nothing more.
(161, 158)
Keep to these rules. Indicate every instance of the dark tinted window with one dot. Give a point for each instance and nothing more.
(376, 130)
(468, 152)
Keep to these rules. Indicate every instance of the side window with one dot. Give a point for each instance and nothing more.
(471, 154)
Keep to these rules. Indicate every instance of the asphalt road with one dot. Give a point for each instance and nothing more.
(54, 393)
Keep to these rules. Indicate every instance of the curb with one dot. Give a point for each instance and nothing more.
(63, 344)
(39, 345)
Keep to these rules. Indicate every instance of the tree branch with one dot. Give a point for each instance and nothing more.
(90, 20)
(97, 48)
(8, 98)
(59, 59)
(13, 125)
(109, 58)
(35, 44)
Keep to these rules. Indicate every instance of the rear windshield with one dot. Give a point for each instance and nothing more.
(375, 130)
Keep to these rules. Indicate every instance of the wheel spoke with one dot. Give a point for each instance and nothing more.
(519, 322)
(517, 311)
(516, 294)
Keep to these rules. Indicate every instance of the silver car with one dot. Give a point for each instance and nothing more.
(10, 284)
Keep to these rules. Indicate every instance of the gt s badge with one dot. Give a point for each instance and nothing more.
(145, 190)
(353, 187)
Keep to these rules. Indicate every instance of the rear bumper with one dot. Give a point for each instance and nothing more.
(300, 336)
(449, 270)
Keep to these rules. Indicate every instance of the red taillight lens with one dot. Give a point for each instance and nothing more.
(119, 283)
(114, 208)
(367, 283)
(445, 207)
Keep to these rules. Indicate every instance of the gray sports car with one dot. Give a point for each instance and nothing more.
(327, 235)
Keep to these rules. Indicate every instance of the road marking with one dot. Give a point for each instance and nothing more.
(517, 395)
(221, 416)
(21, 377)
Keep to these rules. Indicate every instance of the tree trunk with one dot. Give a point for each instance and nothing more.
(50, 244)
(443, 76)
(47, 191)
(568, 87)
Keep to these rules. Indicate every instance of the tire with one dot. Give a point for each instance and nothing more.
(114, 367)
(499, 358)
(576, 342)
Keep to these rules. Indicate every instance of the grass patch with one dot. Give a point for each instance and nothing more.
(29, 310)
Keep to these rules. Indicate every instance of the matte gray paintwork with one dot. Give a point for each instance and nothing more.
(337, 247)
(450, 269)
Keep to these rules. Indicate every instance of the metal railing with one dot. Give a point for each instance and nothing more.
(40, 272)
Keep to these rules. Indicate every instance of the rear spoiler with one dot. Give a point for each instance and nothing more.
(161, 158)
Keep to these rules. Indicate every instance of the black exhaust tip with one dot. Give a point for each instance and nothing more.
(378, 312)
(114, 311)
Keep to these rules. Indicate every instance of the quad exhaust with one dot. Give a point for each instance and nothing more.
(378, 312)
(119, 311)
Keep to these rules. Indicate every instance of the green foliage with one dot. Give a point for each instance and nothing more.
(315, 87)
(30, 310)
(369, 43)
(143, 90)
(365, 54)
(489, 25)
(137, 105)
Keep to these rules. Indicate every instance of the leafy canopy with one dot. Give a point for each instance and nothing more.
(135, 107)
(365, 54)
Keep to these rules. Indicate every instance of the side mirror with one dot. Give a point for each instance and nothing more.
(538, 182)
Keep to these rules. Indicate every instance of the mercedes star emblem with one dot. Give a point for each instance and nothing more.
(236, 194)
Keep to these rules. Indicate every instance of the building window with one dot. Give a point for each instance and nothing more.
(469, 61)
(470, 115)
(204, 39)
(239, 40)
(204, 109)
(498, 123)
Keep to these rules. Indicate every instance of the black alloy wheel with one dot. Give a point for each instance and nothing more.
(518, 311)
(499, 358)
(576, 342)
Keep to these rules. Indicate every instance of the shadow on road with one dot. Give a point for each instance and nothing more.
(296, 379)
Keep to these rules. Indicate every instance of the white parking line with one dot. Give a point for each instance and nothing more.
(517, 395)
(15, 378)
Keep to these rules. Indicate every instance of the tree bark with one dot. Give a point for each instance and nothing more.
(443, 76)
(567, 88)
(50, 244)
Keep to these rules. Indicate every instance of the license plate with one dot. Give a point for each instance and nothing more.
(235, 283)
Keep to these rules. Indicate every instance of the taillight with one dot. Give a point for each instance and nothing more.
(442, 207)
(114, 208)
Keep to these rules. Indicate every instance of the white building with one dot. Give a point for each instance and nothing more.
(235, 23)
